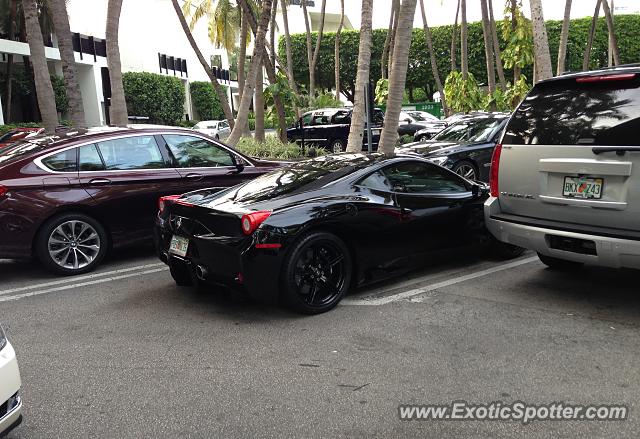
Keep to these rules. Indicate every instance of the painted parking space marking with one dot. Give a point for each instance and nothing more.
(7, 298)
(445, 283)
(76, 279)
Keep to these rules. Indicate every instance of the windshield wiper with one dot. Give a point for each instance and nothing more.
(619, 150)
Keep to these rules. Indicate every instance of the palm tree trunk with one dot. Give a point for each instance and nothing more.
(592, 32)
(540, 42)
(220, 91)
(564, 38)
(454, 43)
(517, 70)
(272, 33)
(613, 40)
(252, 74)
(397, 77)
(432, 56)
(337, 50)
(488, 47)
(496, 48)
(42, 79)
(69, 69)
(118, 107)
(394, 32)
(316, 51)
(307, 26)
(464, 53)
(356, 131)
(387, 41)
(8, 88)
(287, 42)
(259, 104)
(242, 51)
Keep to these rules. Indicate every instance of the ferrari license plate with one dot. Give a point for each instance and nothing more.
(583, 187)
(179, 246)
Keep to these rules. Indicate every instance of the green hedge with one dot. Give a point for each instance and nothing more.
(60, 93)
(205, 100)
(419, 73)
(158, 97)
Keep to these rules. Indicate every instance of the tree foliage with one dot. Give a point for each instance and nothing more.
(420, 75)
(60, 93)
(205, 100)
(159, 97)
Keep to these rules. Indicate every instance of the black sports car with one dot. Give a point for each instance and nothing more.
(464, 147)
(307, 233)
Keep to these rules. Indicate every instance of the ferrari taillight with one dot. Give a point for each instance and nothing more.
(163, 201)
(251, 221)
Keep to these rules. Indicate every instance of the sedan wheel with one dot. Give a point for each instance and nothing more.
(467, 170)
(71, 244)
(317, 273)
(337, 146)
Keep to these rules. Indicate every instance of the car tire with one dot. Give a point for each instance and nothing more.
(559, 264)
(337, 146)
(316, 273)
(466, 169)
(71, 243)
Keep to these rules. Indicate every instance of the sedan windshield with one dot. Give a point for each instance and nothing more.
(474, 130)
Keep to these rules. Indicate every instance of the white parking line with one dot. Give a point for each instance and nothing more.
(75, 279)
(81, 284)
(435, 286)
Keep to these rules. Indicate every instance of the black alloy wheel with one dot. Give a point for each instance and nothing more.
(316, 273)
(466, 169)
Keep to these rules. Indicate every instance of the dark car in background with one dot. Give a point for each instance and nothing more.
(464, 147)
(412, 122)
(70, 197)
(305, 234)
(329, 128)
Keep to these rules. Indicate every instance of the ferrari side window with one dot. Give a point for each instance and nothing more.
(422, 178)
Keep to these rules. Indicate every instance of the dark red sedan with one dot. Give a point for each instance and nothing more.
(71, 197)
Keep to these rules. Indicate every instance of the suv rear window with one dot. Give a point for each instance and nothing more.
(567, 112)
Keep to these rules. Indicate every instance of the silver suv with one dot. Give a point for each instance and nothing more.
(565, 180)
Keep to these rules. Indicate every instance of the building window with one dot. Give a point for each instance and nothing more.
(172, 64)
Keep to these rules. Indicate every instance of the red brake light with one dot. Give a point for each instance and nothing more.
(251, 221)
(3, 190)
(495, 170)
(162, 202)
(604, 78)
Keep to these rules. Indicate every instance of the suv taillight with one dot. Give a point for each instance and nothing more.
(495, 170)
(251, 221)
(3, 190)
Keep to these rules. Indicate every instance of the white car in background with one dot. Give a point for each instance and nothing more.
(10, 401)
(218, 129)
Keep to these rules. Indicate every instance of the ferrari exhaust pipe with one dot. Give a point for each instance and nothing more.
(201, 272)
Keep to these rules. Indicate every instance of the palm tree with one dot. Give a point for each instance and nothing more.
(432, 56)
(540, 42)
(592, 33)
(44, 89)
(118, 108)
(259, 103)
(395, 5)
(287, 42)
(613, 41)
(67, 56)
(337, 49)
(464, 53)
(354, 144)
(496, 48)
(564, 38)
(454, 35)
(312, 57)
(11, 30)
(252, 74)
(488, 47)
(397, 77)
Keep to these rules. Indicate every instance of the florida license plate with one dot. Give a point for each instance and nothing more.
(582, 187)
(179, 246)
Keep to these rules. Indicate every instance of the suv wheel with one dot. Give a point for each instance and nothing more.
(316, 273)
(337, 146)
(559, 264)
(72, 243)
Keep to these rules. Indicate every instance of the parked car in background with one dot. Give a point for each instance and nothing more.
(69, 198)
(16, 134)
(305, 234)
(465, 147)
(10, 399)
(412, 121)
(565, 179)
(218, 129)
(329, 128)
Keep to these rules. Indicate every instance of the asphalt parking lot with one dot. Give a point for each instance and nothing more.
(123, 352)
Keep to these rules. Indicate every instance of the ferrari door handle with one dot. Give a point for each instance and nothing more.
(194, 176)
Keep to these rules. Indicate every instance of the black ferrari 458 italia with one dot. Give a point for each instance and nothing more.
(307, 233)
